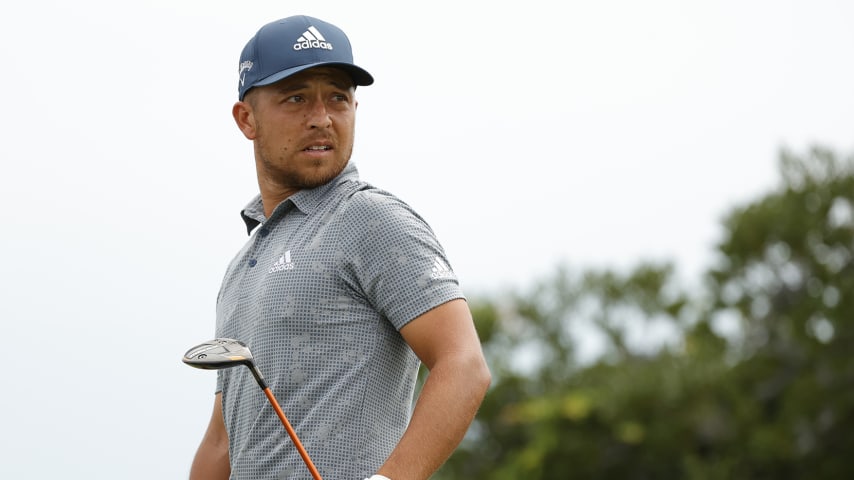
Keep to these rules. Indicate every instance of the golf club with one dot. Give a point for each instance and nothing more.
(222, 353)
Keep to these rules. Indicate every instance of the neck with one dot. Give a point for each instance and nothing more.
(272, 197)
(273, 193)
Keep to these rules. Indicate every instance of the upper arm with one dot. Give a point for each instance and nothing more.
(216, 427)
(216, 436)
(444, 332)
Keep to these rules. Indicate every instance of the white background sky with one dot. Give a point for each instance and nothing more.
(595, 133)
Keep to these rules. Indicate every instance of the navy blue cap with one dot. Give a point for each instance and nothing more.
(293, 44)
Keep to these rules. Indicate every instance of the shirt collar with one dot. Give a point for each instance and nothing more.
(304, 200)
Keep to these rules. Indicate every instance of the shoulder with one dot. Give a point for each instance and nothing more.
(377, 220)
(372, 206)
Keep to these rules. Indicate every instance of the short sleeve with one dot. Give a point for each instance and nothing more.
(392, 256)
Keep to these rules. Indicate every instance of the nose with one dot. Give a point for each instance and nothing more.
(318, 116)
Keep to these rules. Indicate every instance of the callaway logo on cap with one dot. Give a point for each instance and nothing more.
(290, 45)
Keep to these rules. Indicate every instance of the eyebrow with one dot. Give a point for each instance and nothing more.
(292, 87)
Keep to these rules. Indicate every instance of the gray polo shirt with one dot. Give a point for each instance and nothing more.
(319, 293)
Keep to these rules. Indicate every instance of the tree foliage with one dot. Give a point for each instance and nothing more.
(605, 374)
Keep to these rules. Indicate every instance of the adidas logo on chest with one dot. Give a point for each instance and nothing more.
(283, 263)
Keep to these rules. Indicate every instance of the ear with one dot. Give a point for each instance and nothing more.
(245, 119)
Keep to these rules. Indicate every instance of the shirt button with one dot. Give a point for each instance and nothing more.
(264, 232)
(252, 262)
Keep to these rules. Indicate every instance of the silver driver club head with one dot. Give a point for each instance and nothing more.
(219, 353)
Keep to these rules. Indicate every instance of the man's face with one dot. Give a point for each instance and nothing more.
(304, 128)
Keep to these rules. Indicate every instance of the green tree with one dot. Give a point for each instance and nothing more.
(551, 415)
(787, 275)
(770, 397)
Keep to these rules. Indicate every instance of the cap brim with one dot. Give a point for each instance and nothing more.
(360, 76)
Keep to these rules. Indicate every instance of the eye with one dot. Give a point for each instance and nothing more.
(294, 99)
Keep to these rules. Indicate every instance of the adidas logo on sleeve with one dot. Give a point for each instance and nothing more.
(440, 269)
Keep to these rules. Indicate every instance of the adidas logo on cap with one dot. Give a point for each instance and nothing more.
(312, 38)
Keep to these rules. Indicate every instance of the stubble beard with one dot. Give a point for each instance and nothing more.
(278, 170)
(300, 179)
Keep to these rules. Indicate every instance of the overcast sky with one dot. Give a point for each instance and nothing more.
(597, 134)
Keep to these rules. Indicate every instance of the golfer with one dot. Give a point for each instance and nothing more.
(341, 291)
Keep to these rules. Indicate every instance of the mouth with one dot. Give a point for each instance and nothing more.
(318, 148)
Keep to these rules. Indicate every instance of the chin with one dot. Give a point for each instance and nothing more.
(320, 176)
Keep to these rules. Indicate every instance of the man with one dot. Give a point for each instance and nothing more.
(340, 292)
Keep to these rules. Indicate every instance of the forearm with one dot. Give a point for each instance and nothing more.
(446, 407)
(211, 461)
